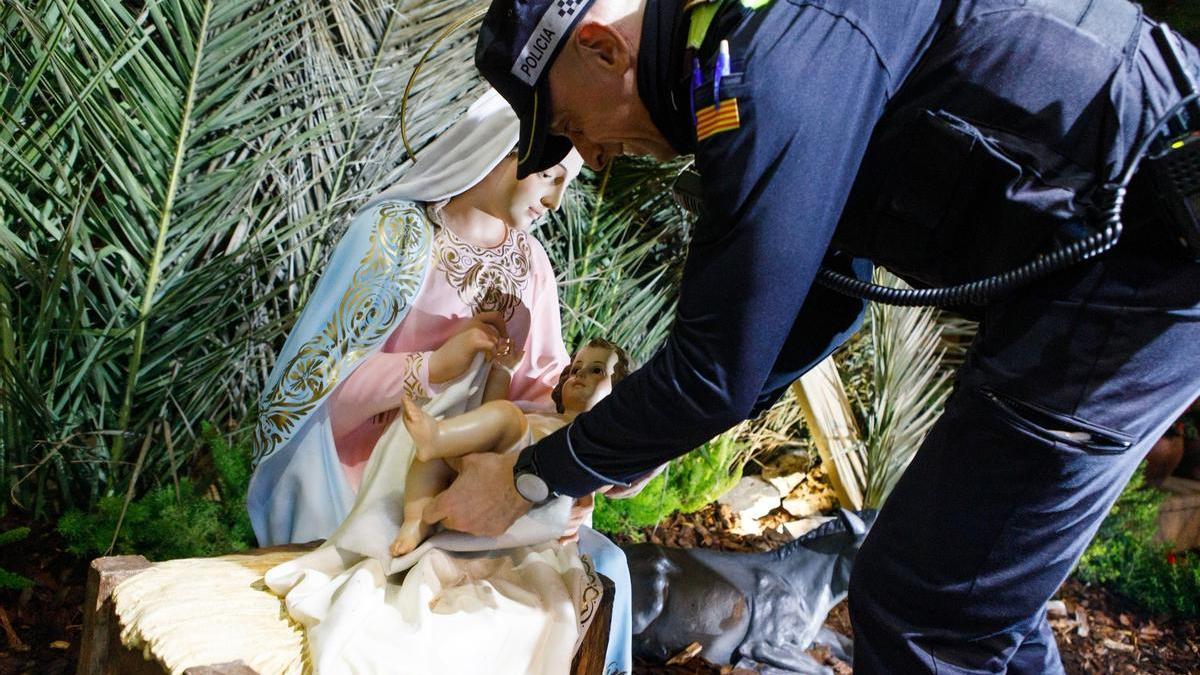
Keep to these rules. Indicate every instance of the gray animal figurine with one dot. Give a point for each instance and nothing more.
(757, 610)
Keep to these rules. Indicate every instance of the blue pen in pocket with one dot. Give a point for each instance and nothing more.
(721, 69)
(697, 80)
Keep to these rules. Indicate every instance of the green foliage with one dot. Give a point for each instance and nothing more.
(169, 523)
(170, 175)
(910, 389)
(15, 534)
(617, 246)
(1125, 557)
(1191, 425)
(11, 580)
(689, 483)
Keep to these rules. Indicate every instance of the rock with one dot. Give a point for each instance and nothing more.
(786, 471)
(811, 497)
(1056, 609)
(798, 528)
(806, 505)
(751, 499)
(786, 483)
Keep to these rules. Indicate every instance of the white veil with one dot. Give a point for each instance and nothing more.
(442, 170)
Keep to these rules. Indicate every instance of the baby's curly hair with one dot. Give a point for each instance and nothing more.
(620, 370)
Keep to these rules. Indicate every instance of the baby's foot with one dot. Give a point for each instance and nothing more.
(412, 533)
(422, 427)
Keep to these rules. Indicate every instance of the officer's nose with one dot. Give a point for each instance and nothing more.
(592, 154)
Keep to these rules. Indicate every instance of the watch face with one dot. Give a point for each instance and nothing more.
(532, 487)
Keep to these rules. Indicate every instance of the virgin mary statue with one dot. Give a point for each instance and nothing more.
(417, 267)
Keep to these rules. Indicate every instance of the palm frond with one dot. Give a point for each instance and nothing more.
(170, 179)
(618, 264)
(909, 387)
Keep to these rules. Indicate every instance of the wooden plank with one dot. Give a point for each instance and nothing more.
(826, 407)
(1181, 486)
(99, 620)
(1179, 521)
(590, 659)
(122, 660)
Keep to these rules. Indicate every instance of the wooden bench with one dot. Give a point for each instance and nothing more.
(103, 653)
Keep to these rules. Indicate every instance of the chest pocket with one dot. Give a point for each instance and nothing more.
(734, 109)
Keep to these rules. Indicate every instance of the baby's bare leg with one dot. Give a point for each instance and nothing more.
(493, 426)
(423, 482)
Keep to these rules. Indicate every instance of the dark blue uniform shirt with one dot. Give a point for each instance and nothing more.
(944, 139)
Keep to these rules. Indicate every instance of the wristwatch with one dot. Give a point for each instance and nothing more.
(529, 484)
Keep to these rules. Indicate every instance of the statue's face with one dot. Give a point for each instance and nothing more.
(590, 378)
(530, 198)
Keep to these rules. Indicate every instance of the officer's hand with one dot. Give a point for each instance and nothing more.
(482, 500)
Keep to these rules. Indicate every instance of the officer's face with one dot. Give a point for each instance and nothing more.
(593, 92)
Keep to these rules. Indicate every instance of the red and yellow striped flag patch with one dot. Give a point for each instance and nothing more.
(711, 121)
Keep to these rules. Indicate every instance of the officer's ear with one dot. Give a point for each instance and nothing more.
(603, 46)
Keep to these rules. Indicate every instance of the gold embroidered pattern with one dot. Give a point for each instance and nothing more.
(382, 287)
(592, 591)
(487, 279)
(412, 384)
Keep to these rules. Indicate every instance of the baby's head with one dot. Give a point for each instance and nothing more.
(590, 376)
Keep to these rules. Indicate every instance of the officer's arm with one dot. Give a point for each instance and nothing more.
(774, 189)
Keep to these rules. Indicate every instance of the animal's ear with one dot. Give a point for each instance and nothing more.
(853, 522)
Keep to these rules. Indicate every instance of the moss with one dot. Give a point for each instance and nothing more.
(689, 483)
(197, 520)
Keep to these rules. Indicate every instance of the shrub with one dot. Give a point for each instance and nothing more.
(689, 483)
(12, 580)
(1125, 557)
(168, 522)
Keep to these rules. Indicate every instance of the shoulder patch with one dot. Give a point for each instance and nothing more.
(713, 120)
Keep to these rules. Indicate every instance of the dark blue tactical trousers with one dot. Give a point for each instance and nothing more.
(1066, 388)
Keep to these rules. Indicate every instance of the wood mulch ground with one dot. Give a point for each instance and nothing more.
(40, 627)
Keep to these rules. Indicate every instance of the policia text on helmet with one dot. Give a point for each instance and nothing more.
(1169, 157)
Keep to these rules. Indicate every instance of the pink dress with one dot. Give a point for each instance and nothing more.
(514, 278)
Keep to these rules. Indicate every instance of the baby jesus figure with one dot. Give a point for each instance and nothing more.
(497, 425)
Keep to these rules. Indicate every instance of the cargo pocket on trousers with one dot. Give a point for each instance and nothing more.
(1055, 427)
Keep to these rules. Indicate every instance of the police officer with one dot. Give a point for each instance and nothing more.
(944, 139)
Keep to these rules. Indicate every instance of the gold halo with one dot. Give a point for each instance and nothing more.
(467, 18)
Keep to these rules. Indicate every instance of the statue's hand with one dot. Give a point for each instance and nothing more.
(482, 500)
(485, 332)
(508, 360)
(580, 510)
